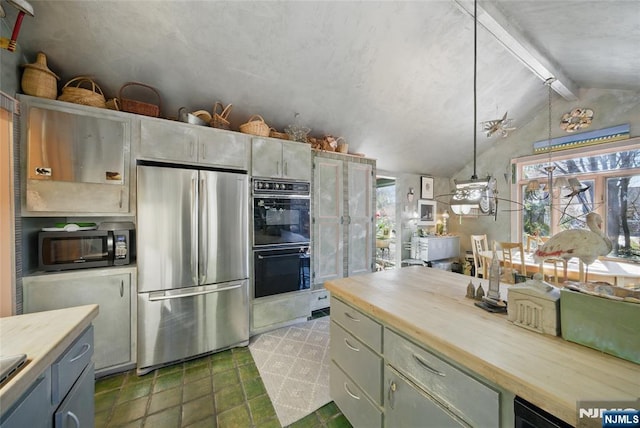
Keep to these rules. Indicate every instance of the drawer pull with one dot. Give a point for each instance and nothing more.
(427, 367)
(346, 388)
(390, 393)
(84, 350)
(350, 346)
(351, 317)
(323, 298)
(75, 418)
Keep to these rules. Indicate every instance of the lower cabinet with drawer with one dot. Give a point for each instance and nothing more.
(355, 376)
(448, 392)
(63, 395)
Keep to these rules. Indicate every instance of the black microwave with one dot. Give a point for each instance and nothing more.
(84, 249)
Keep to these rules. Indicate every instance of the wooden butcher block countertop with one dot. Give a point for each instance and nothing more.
(429, 305)
(43, 337)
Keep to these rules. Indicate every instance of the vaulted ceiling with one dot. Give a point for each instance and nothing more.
(395, 79)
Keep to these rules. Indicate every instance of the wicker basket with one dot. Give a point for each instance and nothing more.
(343, 146)
(139, 107)
(73, 93)
(255, 126)
(38, 80)
(220, 120)
(113, 104)
(275, 134)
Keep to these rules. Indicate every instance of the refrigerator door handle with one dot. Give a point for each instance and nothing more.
(194, 293)
(203, 237)
(194, 231)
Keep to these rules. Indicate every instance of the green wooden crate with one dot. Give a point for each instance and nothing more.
(608, 325)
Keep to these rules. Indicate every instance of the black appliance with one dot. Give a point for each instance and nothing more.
(529, 416)
(84, 249)
(281, 212)
(281, 270)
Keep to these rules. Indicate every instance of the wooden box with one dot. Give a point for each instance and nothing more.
(608, 325)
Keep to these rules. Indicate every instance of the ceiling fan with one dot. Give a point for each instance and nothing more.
(500, 126)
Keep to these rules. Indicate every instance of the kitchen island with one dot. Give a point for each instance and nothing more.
(428, 306)
(59, 346)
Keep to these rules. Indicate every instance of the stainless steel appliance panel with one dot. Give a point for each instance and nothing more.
(224, 233)
(72, 147)
(178, 324)
(167, 247)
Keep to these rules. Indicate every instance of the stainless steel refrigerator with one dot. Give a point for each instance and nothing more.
(192, 256)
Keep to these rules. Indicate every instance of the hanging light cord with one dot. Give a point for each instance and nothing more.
(475, 65)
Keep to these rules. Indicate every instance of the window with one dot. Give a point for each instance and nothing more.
(606, 179)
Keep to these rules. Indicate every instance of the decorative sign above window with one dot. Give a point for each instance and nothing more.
(607, 135)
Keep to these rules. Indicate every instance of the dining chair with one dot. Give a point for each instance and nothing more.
(479, 244)
(512, 256)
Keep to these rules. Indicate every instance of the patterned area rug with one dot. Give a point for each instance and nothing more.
(294, 365)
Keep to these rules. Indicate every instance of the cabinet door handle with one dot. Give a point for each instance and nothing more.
(122, 288)
(427, 367)
(84, 350)
(390, 393)
(350, 346)
(278, 167)
(348, 315)
(191, 146)
(346, 388)
(204, 151)
(286, 164)
(121, 198)
(74, 417)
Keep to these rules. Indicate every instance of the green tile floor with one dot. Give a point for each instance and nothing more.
(219, 390)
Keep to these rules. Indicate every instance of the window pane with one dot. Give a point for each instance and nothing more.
(575, 204)
(623, 215)
(614, 161)
(535, 213)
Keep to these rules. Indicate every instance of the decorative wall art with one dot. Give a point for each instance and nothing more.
(426, 187)
(577, 119)
(427, 212)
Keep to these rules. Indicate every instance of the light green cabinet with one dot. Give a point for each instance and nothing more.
(409, 406)
(185, 143)
(272, 158)
(343, 203)
(355, 378)
(113, 289)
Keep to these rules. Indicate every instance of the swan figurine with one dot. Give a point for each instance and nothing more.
(585, 244)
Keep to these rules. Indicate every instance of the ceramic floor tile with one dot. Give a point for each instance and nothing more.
(235, 418)
(261, 409)
(168, 418)
(197, 410)
(197, 389)
(165, 399)
(228, 398)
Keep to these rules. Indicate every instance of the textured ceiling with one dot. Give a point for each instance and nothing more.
(394, 78)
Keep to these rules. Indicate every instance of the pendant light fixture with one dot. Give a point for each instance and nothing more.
(475, 193)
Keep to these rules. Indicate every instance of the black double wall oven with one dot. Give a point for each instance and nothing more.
(281, 236)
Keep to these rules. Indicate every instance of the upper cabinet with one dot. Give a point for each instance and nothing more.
(185, 143)
(280, 159)
(76, 159)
